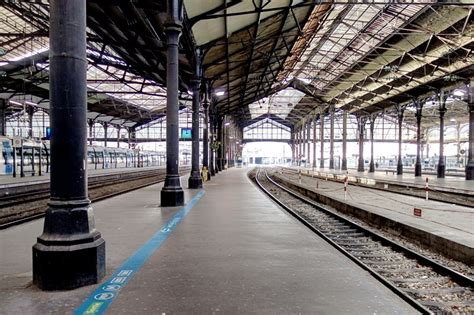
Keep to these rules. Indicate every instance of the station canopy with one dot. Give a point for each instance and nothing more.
(279, 59)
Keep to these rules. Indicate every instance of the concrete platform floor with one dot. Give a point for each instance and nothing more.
(235, 252)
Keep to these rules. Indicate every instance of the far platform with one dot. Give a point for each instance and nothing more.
(453, 184)
(235, 252)
(9, 180)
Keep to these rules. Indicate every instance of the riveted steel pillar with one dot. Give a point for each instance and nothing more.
(470, 154)
(213, 160)
(3, 119)
(90, 122)
(195, 180)
(331, 137)
(372, 127)
(442, 110)
(303, 142)
(205, 135)
(223, 146)
(31, 112)
(119, 128)
(321, 135)
(418, 115)
(172, 194)
(70, 253)
(295, 161)
(219, 141)
(132, 137)
(292, 144)
(400, 111)
(213, 144)
(308, 142)
(314, 141)
(106, 136)
(344, 141)
(361, 120)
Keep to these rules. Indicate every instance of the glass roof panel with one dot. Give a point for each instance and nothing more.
(279, 104)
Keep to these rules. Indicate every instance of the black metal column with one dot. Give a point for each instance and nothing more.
(219, 148)
(372, 127)
(31, 112)
(470, 154)
(308, 140)
(213, 154)
(70, 253)
(205, 135)
(119, 128)
(223, 147)
(344, 141)
(361, 125)
(331, 137)
(314, 141)
(298, 149)
(321, 135)
(303, 141)
(292, 144)
(400, 111)
(3, 119)
(442, 110)
(132, 137)
(172, 194)
(418, 115)
(90, 123)
(195, 180)
(106, 136)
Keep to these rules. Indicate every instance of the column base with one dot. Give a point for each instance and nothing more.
(399, 169)
(417, 170)
(441, 170)
(360, 166)
(68, 263)
(344, 165)
(470, 171)
(194, 182)
(331, 164)
(172, 197)
(371, 167)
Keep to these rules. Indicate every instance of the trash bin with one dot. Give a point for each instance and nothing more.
(204, 174)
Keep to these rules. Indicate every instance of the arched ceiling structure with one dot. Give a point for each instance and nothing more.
(285, 59)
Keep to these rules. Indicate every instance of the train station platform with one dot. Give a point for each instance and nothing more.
(443, 226)
(229, 250)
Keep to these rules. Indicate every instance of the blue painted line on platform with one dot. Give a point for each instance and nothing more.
(106, 293)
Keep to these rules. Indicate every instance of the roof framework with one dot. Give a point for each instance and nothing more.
(261, 55)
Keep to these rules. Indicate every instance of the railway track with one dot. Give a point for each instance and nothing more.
(17, 208)
(427, 285)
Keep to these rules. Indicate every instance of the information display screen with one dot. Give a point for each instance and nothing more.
(48, 133)
(186, 133)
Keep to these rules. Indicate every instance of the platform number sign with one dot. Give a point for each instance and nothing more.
(186, 133)
(48, 133)
(417, 212)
